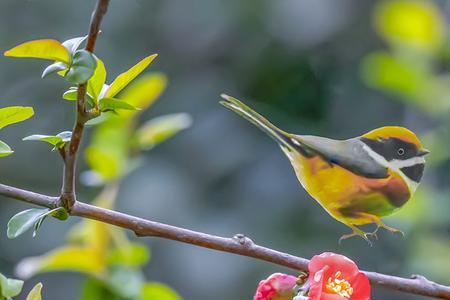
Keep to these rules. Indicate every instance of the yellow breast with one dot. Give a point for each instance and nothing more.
(340, 191)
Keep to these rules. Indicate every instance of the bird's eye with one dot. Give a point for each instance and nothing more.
(401, 151)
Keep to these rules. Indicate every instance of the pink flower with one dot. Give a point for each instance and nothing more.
(336, 277)
(277, 287)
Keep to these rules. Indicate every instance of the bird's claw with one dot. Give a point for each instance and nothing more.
(391, 229)
(358, 232)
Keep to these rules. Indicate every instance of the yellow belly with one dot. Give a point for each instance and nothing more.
(348, 197)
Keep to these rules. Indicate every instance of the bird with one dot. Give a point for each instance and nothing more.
(359, 180)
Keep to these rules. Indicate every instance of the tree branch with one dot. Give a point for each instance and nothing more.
(68, 195)
(239, 244)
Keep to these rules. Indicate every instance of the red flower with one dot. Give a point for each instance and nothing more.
(336, 277)
(277, 287)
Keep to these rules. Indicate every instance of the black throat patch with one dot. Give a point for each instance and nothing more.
(414, 172)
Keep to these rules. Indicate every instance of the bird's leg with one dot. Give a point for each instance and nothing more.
(356, 232)
(380, 224)
(390, 229)
(374, 233)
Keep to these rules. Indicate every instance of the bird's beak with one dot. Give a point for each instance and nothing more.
(423, 152)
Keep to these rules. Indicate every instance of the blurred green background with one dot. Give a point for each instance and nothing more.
(325, 67)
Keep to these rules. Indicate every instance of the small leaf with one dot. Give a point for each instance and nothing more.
(56, 140)
(60, 213)
(160, 129)
(45, 49)
(155, 290)
(108, 104)
(70, 95)
(95, 289)
(125, 78)
(54, 68)
(5, 150)
(73, 44)
(37, 226)
(132, 255)
(126, 282)
(35, 293)
(14, 114)
(82, 68)
(95, 84)
(145, 90)
(70, 258)
(10, 287)
(24, 220)
(98, 120)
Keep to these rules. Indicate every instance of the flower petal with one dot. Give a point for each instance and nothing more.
(277, 286)
(361, 287)
(336, 262)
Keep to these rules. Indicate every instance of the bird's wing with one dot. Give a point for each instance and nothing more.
(348, 154)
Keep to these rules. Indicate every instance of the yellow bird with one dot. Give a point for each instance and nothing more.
(357, 181)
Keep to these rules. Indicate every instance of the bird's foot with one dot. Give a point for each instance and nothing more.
(374, 233)
(358, 232)
(392, 230)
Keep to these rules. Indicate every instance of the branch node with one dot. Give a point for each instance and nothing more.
(243, 240)
(67, 201)
(421, 279)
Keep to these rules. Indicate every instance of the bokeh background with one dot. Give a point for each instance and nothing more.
(325, 67)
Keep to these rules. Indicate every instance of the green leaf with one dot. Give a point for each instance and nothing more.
(69, 258)
(98, 120)
(96, 289)
(95, 84)
(111, 104)
(133, 255)
(25, 220)
(58, 140)
(35, 293)
(82, 68)
(45, 49)
(60, 213)
(145, 90)
(10, 287)
(125, 78)
(160, 129)
(5, 150)
(14, 114)
(73, 44)
(159, 291)
(107, 154)
(54, 68)
(71, 94)
(126, 282)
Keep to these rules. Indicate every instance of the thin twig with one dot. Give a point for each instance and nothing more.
(239, 244)
(68, 195)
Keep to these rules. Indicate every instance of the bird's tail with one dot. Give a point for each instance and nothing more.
(280, 136)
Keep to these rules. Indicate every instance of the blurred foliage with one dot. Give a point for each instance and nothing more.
(11, 115)
(418, 43)
(104, 253)
(10, 288)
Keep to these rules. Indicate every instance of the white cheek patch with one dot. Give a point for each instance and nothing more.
(397, 164)
(407, 162)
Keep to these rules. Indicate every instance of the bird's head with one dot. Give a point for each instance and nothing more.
(398, 149)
